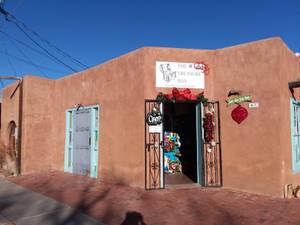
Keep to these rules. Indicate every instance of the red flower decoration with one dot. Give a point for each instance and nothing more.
(193, 97)
(239, 114)
(208, 126)
(175, 93)
(187, 91)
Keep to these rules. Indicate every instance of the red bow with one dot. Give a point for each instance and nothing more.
(186, 94)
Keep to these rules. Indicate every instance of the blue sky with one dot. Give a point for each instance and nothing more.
(95, 31)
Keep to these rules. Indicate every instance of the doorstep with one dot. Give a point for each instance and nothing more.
(183, 186)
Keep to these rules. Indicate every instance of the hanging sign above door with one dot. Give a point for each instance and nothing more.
(180, 75)
(154, 117)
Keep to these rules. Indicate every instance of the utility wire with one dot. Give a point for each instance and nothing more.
(28, 62)
(25, 44)
(28, 58)
(44, 49)
(52, 45)
(11, 18)
(8, 57)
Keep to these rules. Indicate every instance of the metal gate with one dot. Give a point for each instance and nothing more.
(153, 148)
(82, 142)
(212, 160)
(212, 150)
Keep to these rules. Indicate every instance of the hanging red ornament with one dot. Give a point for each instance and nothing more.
(239, 114)
(208, 126)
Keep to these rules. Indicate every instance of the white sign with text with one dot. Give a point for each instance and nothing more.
(155, 129)
(179, 75)
(253, 105)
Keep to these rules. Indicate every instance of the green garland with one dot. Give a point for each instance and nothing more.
(161, 97)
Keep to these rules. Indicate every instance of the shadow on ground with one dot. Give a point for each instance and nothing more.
(121, 205)
(133, 218)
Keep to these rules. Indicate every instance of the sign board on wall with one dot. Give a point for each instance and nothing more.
(179, 75)
(253, 105)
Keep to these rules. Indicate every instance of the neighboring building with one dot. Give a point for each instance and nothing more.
(93, 122)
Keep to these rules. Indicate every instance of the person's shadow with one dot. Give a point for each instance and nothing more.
(133, 218)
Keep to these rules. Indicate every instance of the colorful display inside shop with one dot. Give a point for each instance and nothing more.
(171, 153)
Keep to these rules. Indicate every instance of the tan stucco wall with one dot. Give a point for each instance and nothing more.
(10, 112)
(117, 87)
(38, 122)
(250, 150)
(175, 55)
(289, 71)
(256, 154)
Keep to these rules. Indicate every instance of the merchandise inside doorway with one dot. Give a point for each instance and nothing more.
(182, 151)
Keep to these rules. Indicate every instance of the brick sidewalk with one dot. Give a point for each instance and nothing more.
(119, 205)
(22, 206)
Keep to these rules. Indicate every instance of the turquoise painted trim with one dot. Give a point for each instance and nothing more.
(66, 169)
(95, 134)
(295, 138)
(94, 141)
(199, 144)
(69, 143)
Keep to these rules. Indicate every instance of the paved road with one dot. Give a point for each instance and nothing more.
(24, 207)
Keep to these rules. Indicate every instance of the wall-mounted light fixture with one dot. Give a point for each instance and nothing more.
(233, 92)
(78, 106)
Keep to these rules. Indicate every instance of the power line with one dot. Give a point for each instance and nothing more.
(28, 58)
(29, 63)
(52, 45)
(26, 45)
(8, 57)
(11, 18)
(44, 49)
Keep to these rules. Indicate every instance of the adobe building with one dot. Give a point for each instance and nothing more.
(106, 122)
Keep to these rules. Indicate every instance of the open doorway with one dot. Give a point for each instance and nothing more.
(182, 147)
(199, 160)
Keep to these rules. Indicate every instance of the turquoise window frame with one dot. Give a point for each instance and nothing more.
(69, 136)
(295, 134)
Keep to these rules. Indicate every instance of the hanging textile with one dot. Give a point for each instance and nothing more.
(172, 144)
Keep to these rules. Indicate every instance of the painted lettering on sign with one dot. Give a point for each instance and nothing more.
(239, 99)
(180, 75)
(254, 105)
(154, 117)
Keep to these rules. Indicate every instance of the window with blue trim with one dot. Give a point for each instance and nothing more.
(295, 134)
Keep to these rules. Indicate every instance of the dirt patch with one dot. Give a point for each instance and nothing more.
(120, 205)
